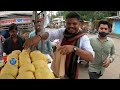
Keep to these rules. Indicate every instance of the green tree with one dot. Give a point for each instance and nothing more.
(87, 15)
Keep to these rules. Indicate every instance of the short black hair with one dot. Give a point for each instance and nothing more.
(13, 26)
(104, 22)
(73, 15)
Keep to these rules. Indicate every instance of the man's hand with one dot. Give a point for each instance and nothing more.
(66, 49)
(34, 47)
(31, 42)
(106, 63)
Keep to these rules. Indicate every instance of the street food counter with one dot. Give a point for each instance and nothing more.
(27, 65)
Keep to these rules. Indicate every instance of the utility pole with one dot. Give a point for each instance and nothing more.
(35, 18)
(44, 14)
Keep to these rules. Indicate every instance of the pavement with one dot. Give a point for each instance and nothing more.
(114, 36)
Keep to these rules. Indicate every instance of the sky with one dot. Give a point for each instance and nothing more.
(8, 12)
(53, 12)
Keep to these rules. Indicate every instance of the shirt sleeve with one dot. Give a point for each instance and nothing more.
(112, 53)
(85, 44)
(32, 34)
(55, 34)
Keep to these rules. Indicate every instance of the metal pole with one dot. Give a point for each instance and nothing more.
(43, 30)
(35, 16)
(36, 19)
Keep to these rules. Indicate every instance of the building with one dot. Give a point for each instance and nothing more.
(59, 21)
(22, 18)
(115, 21)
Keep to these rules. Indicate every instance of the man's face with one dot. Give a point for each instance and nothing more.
(103, 28)
(38, 27)
(72, 25)
(13, 33)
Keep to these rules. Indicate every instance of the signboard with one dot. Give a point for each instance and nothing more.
(15, 20)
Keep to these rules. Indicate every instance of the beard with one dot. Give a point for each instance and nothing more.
(13, 36)
(72, 30)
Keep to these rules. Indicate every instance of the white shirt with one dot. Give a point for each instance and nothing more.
(84, 40)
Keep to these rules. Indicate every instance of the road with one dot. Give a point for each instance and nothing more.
(112, 72)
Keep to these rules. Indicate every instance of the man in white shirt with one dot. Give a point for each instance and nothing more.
(74, 44)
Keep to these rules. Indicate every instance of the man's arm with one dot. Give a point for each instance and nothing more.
(84, 52)
(44, 36)
(50, 35)
(112, 53)
(85, 55)
(35, 40)
(86, 48)
(110, 58)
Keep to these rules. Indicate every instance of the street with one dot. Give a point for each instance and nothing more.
(112, 72)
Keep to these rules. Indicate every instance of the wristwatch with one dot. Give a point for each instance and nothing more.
(75, 49)
(111, 60)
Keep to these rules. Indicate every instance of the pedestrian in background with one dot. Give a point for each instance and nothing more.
(104, 49)
(14, 42)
